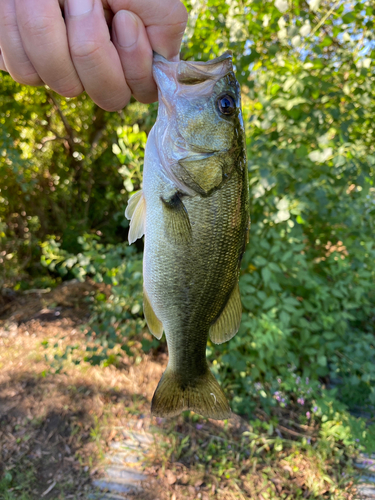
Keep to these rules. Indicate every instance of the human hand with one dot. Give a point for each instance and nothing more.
(101, 46)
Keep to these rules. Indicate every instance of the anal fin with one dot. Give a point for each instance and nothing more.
(228, 323)
(154, 324)
(136, 212)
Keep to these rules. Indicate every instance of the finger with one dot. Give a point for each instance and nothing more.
(166, 37)
(165, 22)
(108, 14)
(14, 56)
(130, 38)
(94, 55)
(2, 63)
(44, 37)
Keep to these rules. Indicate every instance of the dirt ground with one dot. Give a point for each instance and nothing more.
(55, 427)
(58, 418)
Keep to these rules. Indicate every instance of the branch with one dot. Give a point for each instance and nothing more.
(68, 128)
(324, 18)
(98, 128)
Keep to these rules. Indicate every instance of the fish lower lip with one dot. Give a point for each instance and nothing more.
(202, 156)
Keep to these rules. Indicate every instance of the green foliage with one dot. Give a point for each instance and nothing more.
(116, 319)
(252, 462)
(308, 277)
(13, 486)
(58, 173)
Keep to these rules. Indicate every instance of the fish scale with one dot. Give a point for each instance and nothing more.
(194, 213)
(212, 283)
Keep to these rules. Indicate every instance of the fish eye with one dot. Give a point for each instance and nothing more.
(226, 104)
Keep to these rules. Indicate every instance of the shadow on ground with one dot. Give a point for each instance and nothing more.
(56, 427)
(51, 433)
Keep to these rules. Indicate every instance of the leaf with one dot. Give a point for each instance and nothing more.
(327, 41)
(281, 5)
(270, 302)
(266, 275)
(322, 360)
(314, 4)
(284, 318)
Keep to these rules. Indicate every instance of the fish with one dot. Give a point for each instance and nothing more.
(193, 211)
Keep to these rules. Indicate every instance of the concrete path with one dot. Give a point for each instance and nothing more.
(123, 472)
(123, 475)
(366, 471)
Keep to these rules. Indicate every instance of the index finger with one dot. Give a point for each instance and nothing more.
(165, 22)
(44, 37)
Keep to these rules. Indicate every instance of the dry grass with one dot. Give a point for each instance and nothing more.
(59, 425)
(56, 427)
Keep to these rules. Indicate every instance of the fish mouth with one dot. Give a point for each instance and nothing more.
(199, 156)
(203, 155)
(227, 55)
(190, 73)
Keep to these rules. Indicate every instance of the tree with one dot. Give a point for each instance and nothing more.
(308, 83)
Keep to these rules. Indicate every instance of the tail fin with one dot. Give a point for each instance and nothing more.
(203, 396)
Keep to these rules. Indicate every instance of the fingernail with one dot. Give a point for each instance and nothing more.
(79, 7)
(126, 28)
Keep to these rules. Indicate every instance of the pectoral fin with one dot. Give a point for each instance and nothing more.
(136, 213)
(228, 323)
(154, 324)
(176, 219)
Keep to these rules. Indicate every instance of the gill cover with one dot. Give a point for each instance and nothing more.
(198, 120)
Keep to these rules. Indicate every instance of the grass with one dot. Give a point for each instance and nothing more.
(236, 463)
(56, 426)
(23, 481)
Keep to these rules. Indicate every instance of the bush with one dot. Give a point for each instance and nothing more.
(307, 280)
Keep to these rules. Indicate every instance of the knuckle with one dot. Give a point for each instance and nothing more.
(85, 50)
(113, 108)
(138, 79)
(25, 74)
(183, 13)
(39, 25)
(31, 79)
(114, 104)
(66, 82)
(177, 16)
(73, 91)
(8, 20)
(179, 29)
(146, 98)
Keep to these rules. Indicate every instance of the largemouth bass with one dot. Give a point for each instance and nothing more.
(193, 210)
